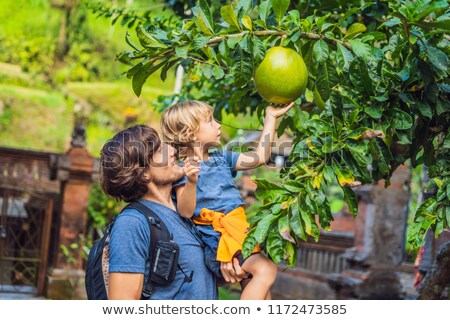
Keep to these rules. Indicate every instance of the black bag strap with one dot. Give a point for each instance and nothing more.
(158, 231)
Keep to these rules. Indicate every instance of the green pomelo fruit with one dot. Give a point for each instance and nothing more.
(282, 76)
(318, 99)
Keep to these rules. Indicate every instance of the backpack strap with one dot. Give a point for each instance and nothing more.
(158, 231)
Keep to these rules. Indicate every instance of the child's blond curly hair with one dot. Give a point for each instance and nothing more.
(180, 122)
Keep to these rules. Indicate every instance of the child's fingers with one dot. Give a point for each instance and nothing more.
(285, 109)
(192, 171)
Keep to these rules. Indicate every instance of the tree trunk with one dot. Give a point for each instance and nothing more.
(438, 278)
(63, 46)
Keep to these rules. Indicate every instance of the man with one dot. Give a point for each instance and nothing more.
(137, 166)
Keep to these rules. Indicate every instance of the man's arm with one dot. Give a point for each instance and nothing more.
(125, 286)
(253, 159)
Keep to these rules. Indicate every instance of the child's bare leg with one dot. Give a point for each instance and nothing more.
(245, 282)
(264, 273)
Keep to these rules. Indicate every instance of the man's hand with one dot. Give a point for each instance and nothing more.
(191, 169)
(232, 271)
(278, 112)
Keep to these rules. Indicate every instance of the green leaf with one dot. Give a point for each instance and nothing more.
(141, 76)
(275, 246)
(279, 8)
(295, 16)
(242, 70)
(321, 20)
(344, 176)
(443, 24)
(446, 142)
(374, 112)
(131, 72)
(285, 122)
(247, 22)
(147, 40)
(228, 14)
(290, 254)
(354, 30)
(327, 78)
(245, 43)
(438, 58)
(257, 49)
(350, 198)
(442, 106)
(344, 57)
(360, 49)
(391, 22)
(223, 49)
(200, 42)
(249, 243)
(243, 8)
(365, 51)
(182, 51)
(359, 76)
(319, 126)
(264, 10)
(350, 96)
(293, 186)
(399, 119)
(425, 8)
(426, 210)
(196, 73)
(381, 154)
(296, 223)
(316, 146)
(284, 229)
(130, 42)
(233, 41)
(263, 226)
(320, 51)
(218, 72)
(447, 216)
(205, 13)
(307, 221)
(168, 66)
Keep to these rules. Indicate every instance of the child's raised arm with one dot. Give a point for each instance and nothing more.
(187, 194)
(252, 159)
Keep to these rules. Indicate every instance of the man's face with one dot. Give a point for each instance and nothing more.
(163, 167)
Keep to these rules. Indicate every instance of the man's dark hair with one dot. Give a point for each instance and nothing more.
(124, 159)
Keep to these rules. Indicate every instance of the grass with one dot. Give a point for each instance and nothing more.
(43, 119)
(34, 119)
(113, 106)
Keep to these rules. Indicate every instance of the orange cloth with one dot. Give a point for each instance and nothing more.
(233, 227)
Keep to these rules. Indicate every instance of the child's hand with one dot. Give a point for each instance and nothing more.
(191, 169)
(278, 112)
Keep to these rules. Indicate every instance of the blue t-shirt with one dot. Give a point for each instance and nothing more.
(129, 248)
(216, 189)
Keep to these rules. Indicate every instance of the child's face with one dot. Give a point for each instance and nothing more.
(208, 133)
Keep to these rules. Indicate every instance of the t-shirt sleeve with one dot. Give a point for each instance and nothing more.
(129, 244)
(231, 159)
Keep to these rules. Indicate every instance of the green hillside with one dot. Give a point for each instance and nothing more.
(42, 90)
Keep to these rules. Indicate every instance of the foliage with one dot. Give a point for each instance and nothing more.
(31, 33)
(380, 67)
(101, 208)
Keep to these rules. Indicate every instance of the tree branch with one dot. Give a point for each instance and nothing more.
(265, 33)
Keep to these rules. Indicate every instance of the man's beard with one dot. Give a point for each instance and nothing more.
(164, 180)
